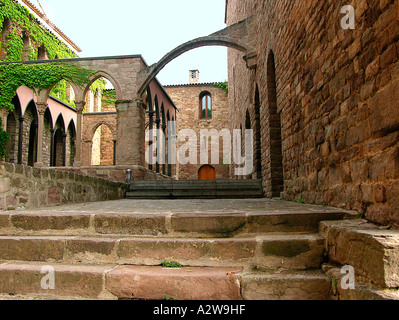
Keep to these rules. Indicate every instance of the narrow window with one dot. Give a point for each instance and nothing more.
(205, 105)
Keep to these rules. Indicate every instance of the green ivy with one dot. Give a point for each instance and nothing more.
(222, 85)
(109, 97)
(23, 21)
(38, 76)
(4, 138)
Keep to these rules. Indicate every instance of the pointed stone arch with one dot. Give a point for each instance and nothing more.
(212, 40)
(110, 78)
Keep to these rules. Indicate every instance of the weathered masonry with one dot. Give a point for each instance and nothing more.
(323, 100)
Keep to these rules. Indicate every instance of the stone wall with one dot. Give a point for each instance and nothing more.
(23, 186)
(337, 95)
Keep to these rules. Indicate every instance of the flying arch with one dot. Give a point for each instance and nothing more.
(152, 71)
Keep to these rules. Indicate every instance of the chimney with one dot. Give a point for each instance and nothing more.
(194, 76)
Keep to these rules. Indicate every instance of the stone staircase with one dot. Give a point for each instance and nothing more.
(194, 189)
(106, 255)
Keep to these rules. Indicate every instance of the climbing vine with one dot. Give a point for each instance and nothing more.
(23, 22)
(4, 138)
(37, 76)
(222, 85)
(109, 97)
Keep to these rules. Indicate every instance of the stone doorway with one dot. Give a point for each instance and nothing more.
(207, 172)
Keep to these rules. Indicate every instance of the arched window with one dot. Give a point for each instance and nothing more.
(205, 105)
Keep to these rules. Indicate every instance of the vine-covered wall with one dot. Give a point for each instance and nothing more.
(17, 24)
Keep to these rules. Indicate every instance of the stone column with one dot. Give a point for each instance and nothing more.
(164, 144)
(79, 110)
(158, 143)
(130, 144)
(151, 137)
(41, 109)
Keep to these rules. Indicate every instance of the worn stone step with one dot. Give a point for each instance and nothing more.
(123, 282)
(157, 283)
(202, 225)
(77, 281)
(289, 251)
(371, 250)
(195, 189)
(288, 285)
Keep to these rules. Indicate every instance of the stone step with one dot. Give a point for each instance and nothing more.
(211, 189)
(157, 283)
(285, 251)
(199, 225)
(300, 285)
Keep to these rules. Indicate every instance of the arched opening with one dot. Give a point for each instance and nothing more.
(274, 123)
(150, 112)
(48, 138)
(12, 130)
(71, 144)
(169, 137)
(26, 46)
(158, 126)
(30, 126)
(94, 96)
(163, 142)
(32, 155)
(248, 126)
(101, 94)
(64, 92)
(103, 146)
(59, 143)
(5, 31)
(257, 137)
(207, 172)
(15, 131)
(41, 53)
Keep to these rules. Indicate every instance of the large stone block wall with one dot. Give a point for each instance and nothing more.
(337, 96)
(23, 186)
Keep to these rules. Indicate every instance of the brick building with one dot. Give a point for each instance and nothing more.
(202, 106)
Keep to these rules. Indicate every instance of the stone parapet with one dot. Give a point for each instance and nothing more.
(27, 187)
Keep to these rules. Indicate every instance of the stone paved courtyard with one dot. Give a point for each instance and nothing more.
(263, 206)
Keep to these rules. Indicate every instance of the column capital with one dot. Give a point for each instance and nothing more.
(41, 107)
(80, 106)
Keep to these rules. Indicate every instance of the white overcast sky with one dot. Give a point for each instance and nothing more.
(151, 28)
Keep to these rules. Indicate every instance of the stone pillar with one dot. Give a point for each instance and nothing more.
(79, 110)
(158, 125)
(164, 144)
(41, 109)
(130, 144)
(151, 136)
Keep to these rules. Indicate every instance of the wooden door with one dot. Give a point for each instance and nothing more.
(207, 172)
